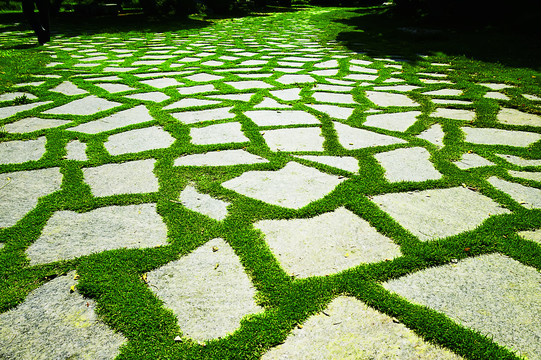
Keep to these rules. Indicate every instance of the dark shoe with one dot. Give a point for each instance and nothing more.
(44, 36)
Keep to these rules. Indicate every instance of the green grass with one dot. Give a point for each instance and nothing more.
(114, 278)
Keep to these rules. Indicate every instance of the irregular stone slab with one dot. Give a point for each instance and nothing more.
(8, 111)
(249, 84)
(451, 102)
(327, 64)
(360, 62)
(271, 103)
(89, 105)
(68, 88)
(192, 117)
(220, 158)
(235, 97)
(275, 117)
(212, 63)
(154, 96)
(361, 77)
(334, 88)
(136, 115)
(444, 92)
(434, 135)
(353, 138)
(472, 160)
(204, 77)
(535, 176)
(138, 140)
(208, 291)
(362, 69)
(488, 136)
(76, 150)
(28, 125)
(287, 94)
(337, 112)
(527, 96)
(17, 94)
(495, 86)
(69, 235)
(408, 164)
(326, 244)
(516, 117)
(347, 163)
(203, 203)
(184, 103)
(534, 235)
(294, 186)
(526, 196)
(162, 83)
(384, 99)
(497, 96)
(197, 89)
(348, 329)
(454, 114)
(439, 213)
(126, 178)
(20, 151)
(490, 285)
(148, 62)
(398, 88)
(114, 69)
(53, 323)
(218, 134)
(20, 191)
(114, 88)
(300, 139)
(289, 79)
(516, 160)
(334, 98)
(395, 121)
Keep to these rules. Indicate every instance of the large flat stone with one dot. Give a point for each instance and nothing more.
(218, 134)
(517, 160)
(299, 139)
(408, 164)
(8, 111)
(325, 244)
(472, 160)
(534, 176)
(353, 138)
(348, 329)
(76, 150)
(488, 136)
(203, 203)
(394, 121)
(207, 290)
(337, 112)
(89, 105)
(68, 88)
(434, 135)
(154, 96)
(503, 298)
(192, 117)
(528, 197)
(249, 84)
(187, 102)
(294, 186)
(454, 114)
(281, 117)
(136, 115)
(347, 163)
(287, 94)
(138, 140)
(20, 151)
(327, 97)
(68, 235)
(220, 158)
(162, 83)
(534, 235)
(384, 99)
(439, 213)
(516, 117)
(33, 124)
(114, 88)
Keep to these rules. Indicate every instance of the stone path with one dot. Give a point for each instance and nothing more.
(261, 175)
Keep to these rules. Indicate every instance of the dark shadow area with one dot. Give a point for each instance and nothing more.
(385, 32)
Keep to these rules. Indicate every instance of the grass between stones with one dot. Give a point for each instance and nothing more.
(116, 279)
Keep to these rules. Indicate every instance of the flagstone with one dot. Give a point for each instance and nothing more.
(28, 125)
(360, 62)
(534, 176)
(490, 285)
(89, 105)
(516, 117)
(218, 134)
(407, 164)
(212, 63)
(187, 102)
(327, 72)
(17, 94)
(192, 117)
(203, 203)
(354, 138)
(496, 95)
(434, 135)
(517, 160)
(150, 138)
(248, 84)
(119, 69)
(281, 117)
(287, 94)
(527, 196)
(495, 86)
(20, 151)
(220, 158)
(444, 92)
(489, 136)
(451, 102)
(439, 213)
(532, 97)
(154, 96)
(245, 97)
(333, 98)
(384, 99)
(290, 70)
(472, 160)
(454, 114)
(203, 77)
(393, 121)
(114, 88)
(76, 150)
(8, 111)
(294, 186)
(289, 79)
(125, 178)
(162, 83)
(361, 77)
(327, 64)
(207, 290)
(197, 89)
(298, 139)
(335, 88)
(136, 115)
(534, 235)
(362, 69)
(54, 323)
(337, 112)
(33, 83)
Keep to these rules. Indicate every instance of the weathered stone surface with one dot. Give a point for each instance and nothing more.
(89, 105)
(348, 329)
(526, 196)
(203, 77)
(353, 138)
(289, 79)
(33, 124)
(408, 164)
(126, 178)
(20, 191)
(489, 136)
(162, 83)
(114, 88)
(294, 186)
(207, 290)
(398, 88)
(535, 176)
(68, 88)
(184, 103)
(8, 111)
(347, 163)
(333, 98)
(472, 160)
(192, 117)
(271, 104)
(325, 244)
(495, 86)
(454, 114)
(68, 235)
(218, 134)
(534, 235)
(503, 298)
(444, 92)
(332, 88)
(203, 203)
(76, 150)
(245, 97)
(249, 84)
(53, 323)
(394, 121)
(384, 99)
(154, 96)
(281, 117)
(20, 151)
(17, 94)
(434, 135)
(532, 97)
(337, 112)
(136, 115)
(197, 89)
(517, 160)
(497, 96)
(287, 94)
(299, 139)
(516, 117)
(138, 140)
(439, 213)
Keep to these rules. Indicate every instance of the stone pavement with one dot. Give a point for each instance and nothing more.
(302, 130)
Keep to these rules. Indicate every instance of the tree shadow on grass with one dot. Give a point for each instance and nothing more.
(383, 32)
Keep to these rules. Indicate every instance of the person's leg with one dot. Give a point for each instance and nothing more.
(28, 11)
(44, 8)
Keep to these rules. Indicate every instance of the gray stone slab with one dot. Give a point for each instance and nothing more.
(534, 235)
(136, 115)
(451, 102)
(362, 69)
(220, 158)
(218, 134)
(138, 140)
(472, 160)
(497, 96)
(348, 329)
(527, 96)
(191, 117)
(434, 135)
(287, 94)
(269, 103)
(207, 290)
(327, 64)
(490, 286)
(20, 151)
(68, 88)
(76, 150)
(203, 77)
(360, 62)
(408, 164)
(353, 138)
(327, 72)
(154, 96)
(516, 117)
(89, 105)
(162, 83)
(281, 117)
(203, 203)
(212, 63)
(526, 196)
(126, 178)
(69, 235)
(53, 323)
(444, 92)
(395, 121)
(299, 139)
(517, 160)
(114, 88)
(488, 136)
(439, 213)
(8, 111)
(454, 114)
(20, 191)
(495, 86)
(114, 69)
(14, 95)
(197, 89)
(337, 112)
(245, 97)
(398, 88)
(334, 88)
(294, 186)
(325, 244)
(249, 84)
(347, 163)
(289, 79)
(333, 98)
(361, 77)
(528, 175)
(33, 124)
(187, 102)
(384, 99)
